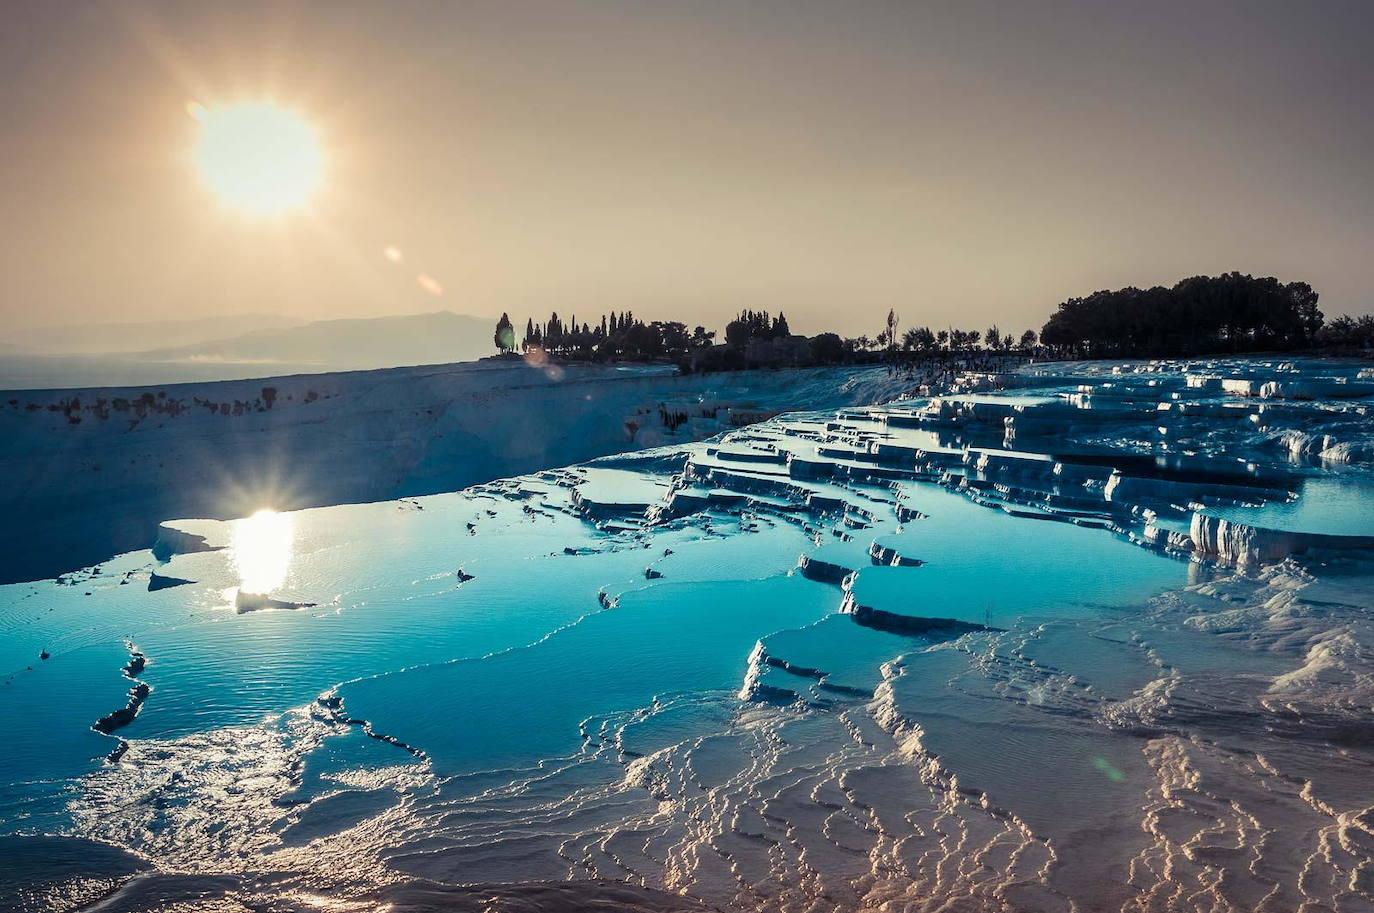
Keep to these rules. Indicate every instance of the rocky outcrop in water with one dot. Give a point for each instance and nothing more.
(123, 716)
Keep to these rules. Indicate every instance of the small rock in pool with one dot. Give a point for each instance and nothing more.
(159, 582)
(256, 602)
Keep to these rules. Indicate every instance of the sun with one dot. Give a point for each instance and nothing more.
(257, 158)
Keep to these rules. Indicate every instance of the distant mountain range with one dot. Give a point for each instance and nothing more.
(114, 354)
(375, 342)
(124, 338)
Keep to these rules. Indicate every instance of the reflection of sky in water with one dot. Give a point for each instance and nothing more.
(1327, 505)
(260, 549)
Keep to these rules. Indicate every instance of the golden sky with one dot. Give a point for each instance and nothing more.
(959, 162)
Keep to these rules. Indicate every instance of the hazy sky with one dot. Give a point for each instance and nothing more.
(961, 162)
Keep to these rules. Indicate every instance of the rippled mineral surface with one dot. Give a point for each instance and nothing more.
(1086, 637)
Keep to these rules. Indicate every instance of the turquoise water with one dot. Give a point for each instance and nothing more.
(502, 669)
(1330, 505)
(994, 573)
(526, 704)
(474, 685)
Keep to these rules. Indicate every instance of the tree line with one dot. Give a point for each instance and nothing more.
(751, 339)
(614, 336)
(1199, 315)
(1346, 332)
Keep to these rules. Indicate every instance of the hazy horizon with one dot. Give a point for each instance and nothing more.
(962, 164)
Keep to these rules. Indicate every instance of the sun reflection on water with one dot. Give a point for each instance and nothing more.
(260, 548)
(322, 902)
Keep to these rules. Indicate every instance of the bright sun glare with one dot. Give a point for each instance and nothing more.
(257, 158)
(260, 547)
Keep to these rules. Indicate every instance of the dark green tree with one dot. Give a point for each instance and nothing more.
(827, 349)
(737, 333)
(505, 335)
